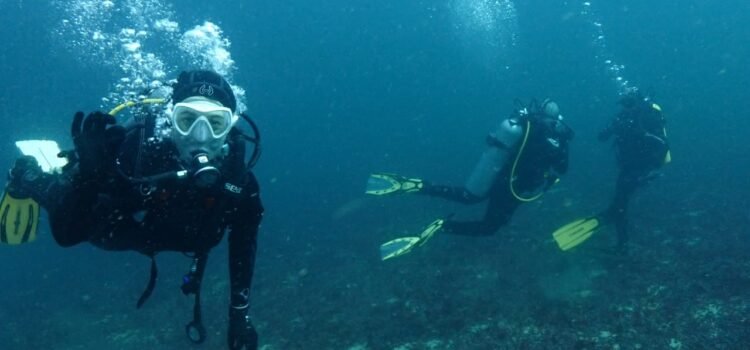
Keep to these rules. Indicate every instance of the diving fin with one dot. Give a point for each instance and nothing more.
(575, 232)
(403, 245)
(430, 231)
(380, 184)
(19, 218)
(397, 247)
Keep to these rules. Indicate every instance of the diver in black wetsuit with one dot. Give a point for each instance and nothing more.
(128, 188)
(524, 157)
(641, 148)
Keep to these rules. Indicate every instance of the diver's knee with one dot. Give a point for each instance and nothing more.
(67, 239)
(471, 198)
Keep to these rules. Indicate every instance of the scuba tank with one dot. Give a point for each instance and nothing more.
(501, 146)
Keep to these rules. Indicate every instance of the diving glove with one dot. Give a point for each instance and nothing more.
(96, 140)
(242, 334)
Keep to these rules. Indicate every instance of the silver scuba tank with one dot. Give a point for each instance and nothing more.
(501, 146)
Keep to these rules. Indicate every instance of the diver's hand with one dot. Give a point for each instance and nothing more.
(242, 334)
(96, 143)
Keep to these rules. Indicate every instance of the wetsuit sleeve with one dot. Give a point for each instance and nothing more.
(77, 210)
(70, 206)
(243, 238)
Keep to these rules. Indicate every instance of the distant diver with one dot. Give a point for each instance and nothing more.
(641, 149)
(126, 188)
(524, 157)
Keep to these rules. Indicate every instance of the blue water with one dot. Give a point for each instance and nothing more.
(344, 88)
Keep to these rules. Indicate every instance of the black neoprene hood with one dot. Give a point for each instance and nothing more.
(204, 83)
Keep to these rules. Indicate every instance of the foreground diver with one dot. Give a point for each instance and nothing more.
(128, 188)
(524, 157)
(641, 149)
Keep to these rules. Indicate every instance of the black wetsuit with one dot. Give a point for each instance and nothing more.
(640, 147)
(540, 163)
(167, 215)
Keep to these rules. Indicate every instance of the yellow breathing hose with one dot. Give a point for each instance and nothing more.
(515, 163)
(127, 104)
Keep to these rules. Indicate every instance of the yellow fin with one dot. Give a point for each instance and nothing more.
(575, 233)
(18, 220)
(397, 247)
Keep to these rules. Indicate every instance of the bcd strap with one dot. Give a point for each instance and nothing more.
(195, 330)
(192, 285)
(151, 284)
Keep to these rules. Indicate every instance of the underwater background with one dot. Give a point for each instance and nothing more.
(341, 89)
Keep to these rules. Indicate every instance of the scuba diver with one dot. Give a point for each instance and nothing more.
(524, 157)
(641, 149)
(149, 189)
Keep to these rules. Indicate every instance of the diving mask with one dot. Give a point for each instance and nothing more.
(187, 116)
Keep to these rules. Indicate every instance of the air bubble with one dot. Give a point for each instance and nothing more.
(120, 35)
(600, 43)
